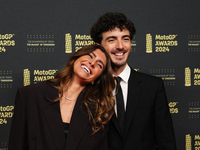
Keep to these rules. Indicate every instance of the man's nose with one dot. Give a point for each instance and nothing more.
(119, 45)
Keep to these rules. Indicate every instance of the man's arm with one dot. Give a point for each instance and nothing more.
(164, 131)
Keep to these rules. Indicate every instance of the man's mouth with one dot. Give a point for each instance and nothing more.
(86, 69)
(118, 54)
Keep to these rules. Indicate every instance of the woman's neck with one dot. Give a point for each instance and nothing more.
(73, 90)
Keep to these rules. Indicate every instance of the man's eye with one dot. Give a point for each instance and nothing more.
(111, 40)
(126, 39)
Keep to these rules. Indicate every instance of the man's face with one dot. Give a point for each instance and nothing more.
(118, 45)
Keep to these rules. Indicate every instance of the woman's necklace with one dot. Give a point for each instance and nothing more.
(69, 98)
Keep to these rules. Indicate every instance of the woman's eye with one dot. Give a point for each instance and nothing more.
(90, 55)
(100, 66)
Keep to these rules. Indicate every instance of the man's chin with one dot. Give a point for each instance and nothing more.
(118, 64)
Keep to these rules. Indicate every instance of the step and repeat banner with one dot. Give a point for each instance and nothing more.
(38, 37)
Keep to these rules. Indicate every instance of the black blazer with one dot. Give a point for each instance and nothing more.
(148, 124)
(37, 123)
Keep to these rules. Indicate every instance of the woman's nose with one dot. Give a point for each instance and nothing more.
(92, 62)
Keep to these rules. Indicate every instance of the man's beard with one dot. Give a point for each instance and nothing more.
(118, 64)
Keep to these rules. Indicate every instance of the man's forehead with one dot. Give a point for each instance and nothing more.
(116, 32)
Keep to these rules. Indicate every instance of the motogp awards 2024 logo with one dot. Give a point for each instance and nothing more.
(80, 41)
(192, 76)
(189, 142)
(39, 75)
(162, 43)
(172, 107)
(6, 41)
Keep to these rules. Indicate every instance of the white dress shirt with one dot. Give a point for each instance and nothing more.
(125, 74)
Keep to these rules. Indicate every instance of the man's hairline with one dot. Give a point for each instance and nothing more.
(101, 35)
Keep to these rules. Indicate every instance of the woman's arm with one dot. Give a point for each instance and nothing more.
(17, 138)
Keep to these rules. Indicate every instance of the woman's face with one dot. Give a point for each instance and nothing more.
(88, 68)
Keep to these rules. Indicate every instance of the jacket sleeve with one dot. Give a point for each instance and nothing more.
(17, 138)
(164, 131)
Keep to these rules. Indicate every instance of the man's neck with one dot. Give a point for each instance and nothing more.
(118, 70)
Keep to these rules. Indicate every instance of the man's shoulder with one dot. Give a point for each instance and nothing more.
(143, 76)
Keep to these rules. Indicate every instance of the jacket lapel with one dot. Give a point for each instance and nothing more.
(53, 117)
(78, 124)
(134, 91)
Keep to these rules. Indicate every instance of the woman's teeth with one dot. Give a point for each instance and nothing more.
(86, 69)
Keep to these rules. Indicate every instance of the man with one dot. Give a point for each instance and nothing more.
(143, 122)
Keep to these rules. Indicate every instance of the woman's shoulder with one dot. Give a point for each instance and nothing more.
(38, 91)
(37, 87)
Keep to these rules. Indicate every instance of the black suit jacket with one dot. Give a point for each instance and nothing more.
(37, 123)
(148, 124)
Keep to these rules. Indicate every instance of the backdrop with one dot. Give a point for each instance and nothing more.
(37, 38)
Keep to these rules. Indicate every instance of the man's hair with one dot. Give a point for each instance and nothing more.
(109, 21)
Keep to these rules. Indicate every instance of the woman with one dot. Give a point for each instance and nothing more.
(70, 111)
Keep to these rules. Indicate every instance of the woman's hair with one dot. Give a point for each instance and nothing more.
(97, 97)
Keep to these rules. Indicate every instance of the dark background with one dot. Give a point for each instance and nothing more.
(57, 18)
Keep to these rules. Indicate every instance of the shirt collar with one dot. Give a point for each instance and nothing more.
(125, 74)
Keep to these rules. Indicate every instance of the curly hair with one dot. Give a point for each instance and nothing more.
(109, 21)
(97, 97)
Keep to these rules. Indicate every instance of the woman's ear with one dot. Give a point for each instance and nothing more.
(97, 43)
